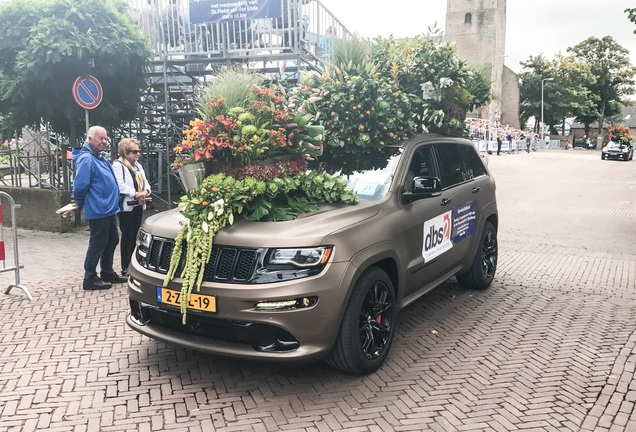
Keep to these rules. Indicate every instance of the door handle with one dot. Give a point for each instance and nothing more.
(446, 201)
(476, 189)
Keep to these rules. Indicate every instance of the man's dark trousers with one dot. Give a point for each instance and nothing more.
(101, 246)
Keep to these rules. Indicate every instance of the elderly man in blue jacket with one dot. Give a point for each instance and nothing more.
(95, 191)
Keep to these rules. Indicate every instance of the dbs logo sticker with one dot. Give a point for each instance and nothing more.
(437, 236)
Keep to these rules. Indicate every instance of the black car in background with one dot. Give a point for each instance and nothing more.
(614, 150)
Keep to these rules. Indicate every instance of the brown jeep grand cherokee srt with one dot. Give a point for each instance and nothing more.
(330, 283)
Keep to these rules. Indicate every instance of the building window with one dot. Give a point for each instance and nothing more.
(468, 18)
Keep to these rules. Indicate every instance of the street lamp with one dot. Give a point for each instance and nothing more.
(542, 125)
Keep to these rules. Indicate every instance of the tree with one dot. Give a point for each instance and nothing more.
(565, 95)
(631, 15)
(50, 43)
(609, 63)
(534, 70)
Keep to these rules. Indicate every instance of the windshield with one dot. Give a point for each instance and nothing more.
(373, 185)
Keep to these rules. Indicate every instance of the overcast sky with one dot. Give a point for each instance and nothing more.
(532, 27)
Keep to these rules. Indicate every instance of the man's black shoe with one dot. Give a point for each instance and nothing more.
(113, 277)
(96, 284)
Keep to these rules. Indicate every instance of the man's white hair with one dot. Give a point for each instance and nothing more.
(91, 131)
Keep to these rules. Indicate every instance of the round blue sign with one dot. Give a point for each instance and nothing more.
(87, 91)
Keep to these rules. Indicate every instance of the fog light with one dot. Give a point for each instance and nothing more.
(138, 314)
(289, 304)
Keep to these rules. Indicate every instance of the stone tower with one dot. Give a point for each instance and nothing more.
(478, 29)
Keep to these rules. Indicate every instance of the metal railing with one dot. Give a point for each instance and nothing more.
(39, 170)
(303, 27)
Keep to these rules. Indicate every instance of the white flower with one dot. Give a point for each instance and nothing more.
(427, 89)
(427, 86)
(218, 205)
(445, 82)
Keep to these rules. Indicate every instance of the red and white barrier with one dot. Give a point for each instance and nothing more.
(16, 259)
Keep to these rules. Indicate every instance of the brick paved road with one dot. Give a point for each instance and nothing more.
(550, 347)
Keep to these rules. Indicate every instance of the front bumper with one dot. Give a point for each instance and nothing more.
(237, 329)
(616, 155)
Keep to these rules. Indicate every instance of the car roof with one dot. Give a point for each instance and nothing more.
(433, 138)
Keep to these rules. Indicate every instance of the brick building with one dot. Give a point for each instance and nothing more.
(479, 31)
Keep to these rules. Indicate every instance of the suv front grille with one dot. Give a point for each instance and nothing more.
(227, 264)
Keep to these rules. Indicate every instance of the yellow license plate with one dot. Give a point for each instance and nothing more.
(199, 302)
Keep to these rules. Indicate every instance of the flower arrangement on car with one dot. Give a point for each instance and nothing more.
(619, 134)
(257, 150)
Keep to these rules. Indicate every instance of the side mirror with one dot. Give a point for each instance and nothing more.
(423, 187)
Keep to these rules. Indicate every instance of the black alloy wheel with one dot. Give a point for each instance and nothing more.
(368, 325)
(489, 255)
(482, 271)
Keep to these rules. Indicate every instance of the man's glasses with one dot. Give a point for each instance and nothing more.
(132, 151)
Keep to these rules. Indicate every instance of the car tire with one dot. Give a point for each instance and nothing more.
(368, 325)
(482, 271)
(602, 156)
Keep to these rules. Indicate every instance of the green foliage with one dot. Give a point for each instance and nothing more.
(48, 45)
(631, 15)
(233, 84)
(362, 114)
(609, 63)
(351, 54)
(478, 86)
(428, 63)
(286, 197)
(4, 152)
(566, 94)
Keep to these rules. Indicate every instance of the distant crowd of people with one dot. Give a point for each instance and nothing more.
(479, 129)
(515, 139)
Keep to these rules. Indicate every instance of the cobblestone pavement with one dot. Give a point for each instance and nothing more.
(549, 347)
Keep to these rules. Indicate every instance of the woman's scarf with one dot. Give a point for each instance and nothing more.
(139, 177)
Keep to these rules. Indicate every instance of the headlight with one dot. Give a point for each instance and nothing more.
(143, 244)
(289, 258)
(289, 304)
(626, 150)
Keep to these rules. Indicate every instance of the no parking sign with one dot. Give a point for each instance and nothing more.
(87, 92)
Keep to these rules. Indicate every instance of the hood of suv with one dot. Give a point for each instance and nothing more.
(308, 229)
(614, 146)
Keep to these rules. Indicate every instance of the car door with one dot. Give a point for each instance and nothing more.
(418, 271)
(460, 166)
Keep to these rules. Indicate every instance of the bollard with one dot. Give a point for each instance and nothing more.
(16, 260)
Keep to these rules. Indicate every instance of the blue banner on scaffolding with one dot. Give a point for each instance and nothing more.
(212, 11)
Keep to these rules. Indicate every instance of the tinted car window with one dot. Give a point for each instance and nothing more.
(421, 165)
(451, 164)
(474, 164)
